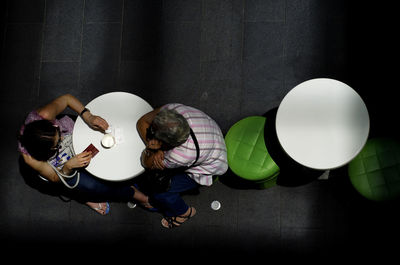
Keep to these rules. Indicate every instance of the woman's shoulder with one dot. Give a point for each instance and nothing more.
(33, 116)
(66, 124)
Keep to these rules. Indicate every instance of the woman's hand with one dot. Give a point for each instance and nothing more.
(78, 161)
(95, 122)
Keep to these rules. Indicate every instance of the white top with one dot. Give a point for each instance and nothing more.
(122, 161)
(322, 123)
(212, 159)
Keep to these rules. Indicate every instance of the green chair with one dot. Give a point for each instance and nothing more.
(248, 156)
(375, 172)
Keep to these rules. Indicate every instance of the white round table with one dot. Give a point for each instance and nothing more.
(322, 123)
(122, 161)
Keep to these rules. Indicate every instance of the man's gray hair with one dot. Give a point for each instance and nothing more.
(171, 127)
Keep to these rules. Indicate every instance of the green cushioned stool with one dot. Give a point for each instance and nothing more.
(248, 157)
(375, 172)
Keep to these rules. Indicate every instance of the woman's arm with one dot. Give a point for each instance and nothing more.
(58, 105)
(51, 110)
(44, 169)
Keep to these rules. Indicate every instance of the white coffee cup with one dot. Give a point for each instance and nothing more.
(108, 141)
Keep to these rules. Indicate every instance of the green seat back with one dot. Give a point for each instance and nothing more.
(375, 172)
(247, 154)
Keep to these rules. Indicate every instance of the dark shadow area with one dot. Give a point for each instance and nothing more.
(291, 174)
(372, 55)
(233, 181)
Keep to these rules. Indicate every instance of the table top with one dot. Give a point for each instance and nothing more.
(322, 123)
(122, 161)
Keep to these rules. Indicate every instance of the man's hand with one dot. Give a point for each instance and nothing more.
(153, 160)
(154, 144)
(158, 160)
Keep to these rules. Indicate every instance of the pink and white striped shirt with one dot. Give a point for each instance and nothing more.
(212, 159)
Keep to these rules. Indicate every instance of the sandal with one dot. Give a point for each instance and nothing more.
(171, 221)
(100, 208)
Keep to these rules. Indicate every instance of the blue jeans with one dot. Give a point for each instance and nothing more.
(93, 189)
(170, 203)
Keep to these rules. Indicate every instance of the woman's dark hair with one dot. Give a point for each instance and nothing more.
(38, 139)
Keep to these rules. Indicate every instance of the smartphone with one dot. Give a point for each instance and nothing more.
(93, 149)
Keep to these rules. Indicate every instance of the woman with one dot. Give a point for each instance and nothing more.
(45, 144)
(170, 134)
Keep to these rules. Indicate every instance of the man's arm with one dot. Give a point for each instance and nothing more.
(153, 159)
(144, 123)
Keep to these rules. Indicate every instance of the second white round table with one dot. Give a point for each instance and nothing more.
(322, 123)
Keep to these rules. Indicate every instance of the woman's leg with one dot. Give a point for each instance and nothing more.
(93, 189)
(102, 208)
(142, 198)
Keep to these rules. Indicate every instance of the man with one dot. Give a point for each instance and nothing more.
(169, 144)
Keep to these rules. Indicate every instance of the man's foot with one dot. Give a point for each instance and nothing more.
(175, 221)
(102, 208)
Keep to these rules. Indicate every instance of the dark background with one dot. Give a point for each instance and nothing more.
(229, 58)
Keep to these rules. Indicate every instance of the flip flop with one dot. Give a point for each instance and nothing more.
(108, 208)
(97, 209)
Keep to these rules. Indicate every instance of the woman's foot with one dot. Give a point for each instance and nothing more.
(102, 208)
(142, 198)
(175, 221)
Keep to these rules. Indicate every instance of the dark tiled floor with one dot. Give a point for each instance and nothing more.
(230, 58)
